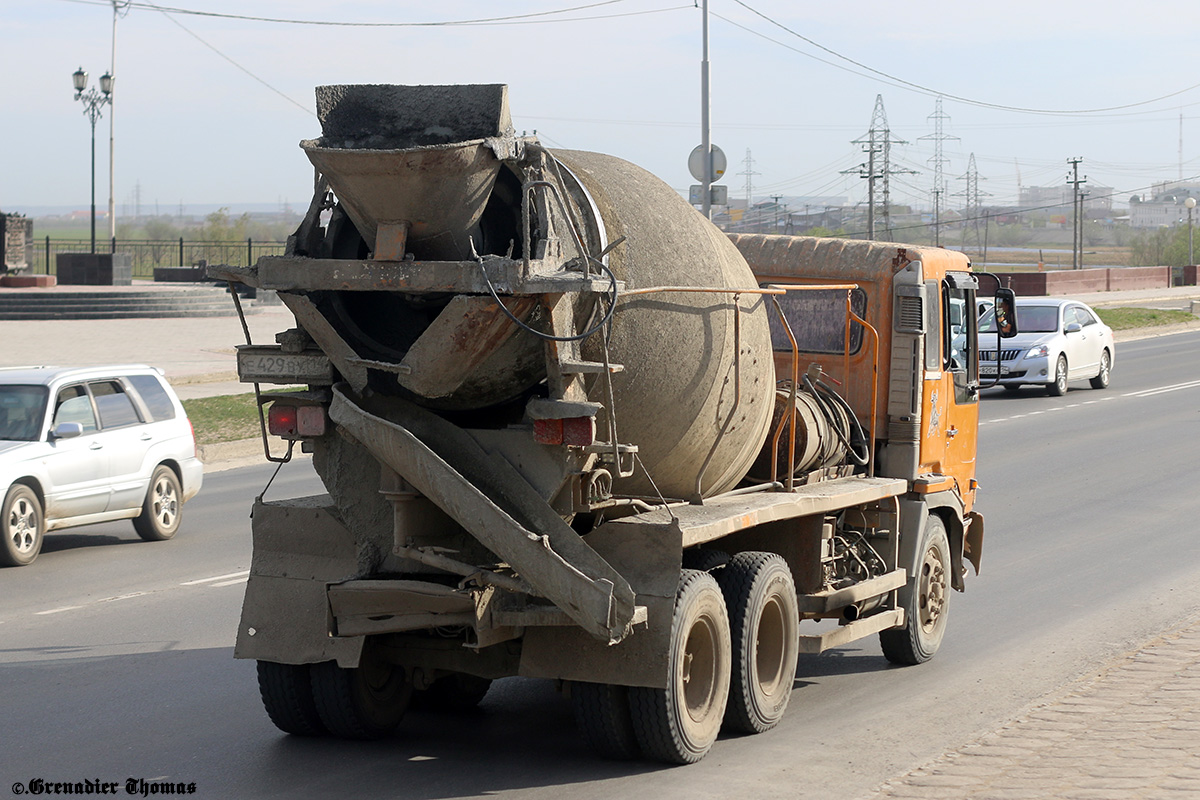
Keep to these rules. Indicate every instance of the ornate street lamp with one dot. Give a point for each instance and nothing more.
(93, 100)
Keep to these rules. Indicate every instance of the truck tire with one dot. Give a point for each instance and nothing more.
(22, 526)
(704, 560)
(287, 695)
(764, 621)
(366, 702)
(679, 724)
(162, 508)
(924, 599)
(603, 717)
(456, 693)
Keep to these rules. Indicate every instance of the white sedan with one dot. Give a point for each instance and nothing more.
(1057, 341)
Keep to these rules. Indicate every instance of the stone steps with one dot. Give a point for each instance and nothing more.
(118, 303)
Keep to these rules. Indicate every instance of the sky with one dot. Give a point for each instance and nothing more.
(210, 110)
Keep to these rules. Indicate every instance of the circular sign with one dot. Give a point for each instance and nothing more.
(696, 162)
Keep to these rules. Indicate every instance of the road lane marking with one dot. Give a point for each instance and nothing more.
(242, 579)
(121, 597)
(244, 573)
(1163, 389)
(56, 610)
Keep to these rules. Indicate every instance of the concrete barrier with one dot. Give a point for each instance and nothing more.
(1064, 283)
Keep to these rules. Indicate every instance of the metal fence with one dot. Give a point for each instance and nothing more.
(147, 254)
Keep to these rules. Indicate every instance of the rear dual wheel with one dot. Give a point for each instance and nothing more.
(678, 724)
(364, 702)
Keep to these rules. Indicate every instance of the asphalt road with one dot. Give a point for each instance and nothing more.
(115, 654)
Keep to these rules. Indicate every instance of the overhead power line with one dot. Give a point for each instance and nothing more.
(927, 90)
(514, 19)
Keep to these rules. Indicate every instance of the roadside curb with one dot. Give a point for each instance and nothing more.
(1134, 334)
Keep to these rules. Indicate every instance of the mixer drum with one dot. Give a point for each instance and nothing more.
(686, 359)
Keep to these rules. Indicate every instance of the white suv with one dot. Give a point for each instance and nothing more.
(92, 444)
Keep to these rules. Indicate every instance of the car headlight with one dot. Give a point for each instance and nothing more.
(1041, 351)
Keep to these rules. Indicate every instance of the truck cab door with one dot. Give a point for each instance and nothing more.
(953, 415)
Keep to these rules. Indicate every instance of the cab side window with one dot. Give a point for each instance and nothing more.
(1083, 317)
(115, 407)
(74, 405)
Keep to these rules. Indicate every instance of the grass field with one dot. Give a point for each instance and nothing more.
(1123, 319)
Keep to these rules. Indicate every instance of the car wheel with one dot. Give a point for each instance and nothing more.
(162, 507)
(1059, 387)
(1101, 379)
(22, 525)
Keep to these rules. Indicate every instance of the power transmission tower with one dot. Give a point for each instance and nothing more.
(939, 179)
(877, 144)
(973, 213)
(749, 173)
(1077, 213)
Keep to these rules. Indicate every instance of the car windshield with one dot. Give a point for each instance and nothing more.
(21, 411)
(1030, 319)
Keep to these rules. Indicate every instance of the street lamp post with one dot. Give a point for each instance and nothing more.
(93, 100)
(1189, 204)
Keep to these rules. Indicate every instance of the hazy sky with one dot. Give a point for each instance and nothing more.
(210, 110)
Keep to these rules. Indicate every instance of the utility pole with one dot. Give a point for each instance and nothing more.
(749, 173)
(705, 127)
(938, 160)
(878, 144)
(1077, 209)
(973, 212)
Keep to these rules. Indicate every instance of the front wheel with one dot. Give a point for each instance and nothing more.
(162, 508)
(1059, 387)
(678, 724)
(924, 599)
(23, 526)
(1102, 377)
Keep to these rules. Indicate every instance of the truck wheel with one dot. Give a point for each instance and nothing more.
(924, 600)
(22, 526)
(288, 697)
(457, 692)
(764, 621)
(1059, 387)
(162, 507)
(366, 702)
(704, 560)
(1102, 377)
(679, 724)
(603, 717)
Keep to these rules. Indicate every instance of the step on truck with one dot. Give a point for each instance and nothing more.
(570, 430)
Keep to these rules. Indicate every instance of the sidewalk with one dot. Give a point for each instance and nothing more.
(1130, 731)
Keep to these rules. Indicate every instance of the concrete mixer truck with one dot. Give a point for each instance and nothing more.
(570, 430)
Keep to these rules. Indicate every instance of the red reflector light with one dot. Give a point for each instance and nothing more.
(281, 420)
(579, 431)
(573, 432)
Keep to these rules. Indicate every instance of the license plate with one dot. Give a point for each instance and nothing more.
(271, 365)
(990, 369)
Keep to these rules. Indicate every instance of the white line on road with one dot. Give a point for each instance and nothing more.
(1163, 389)
(57, 610)
(242, 579)
(241, 574)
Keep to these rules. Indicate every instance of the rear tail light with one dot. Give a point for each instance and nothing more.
(295, 422)
(573, 431)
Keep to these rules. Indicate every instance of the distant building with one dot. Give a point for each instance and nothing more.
(1056, 199)
(1163, 207)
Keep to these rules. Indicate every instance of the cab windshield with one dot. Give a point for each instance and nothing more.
(21, 412)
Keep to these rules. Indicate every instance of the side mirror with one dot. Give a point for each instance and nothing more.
(67, 430)
(1006, 313)
(1073, 327)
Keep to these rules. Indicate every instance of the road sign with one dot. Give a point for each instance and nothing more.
(717, 195)
(696, 163)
